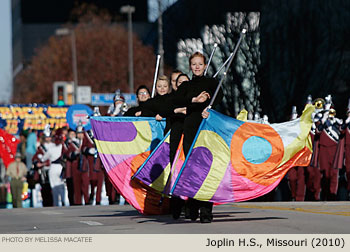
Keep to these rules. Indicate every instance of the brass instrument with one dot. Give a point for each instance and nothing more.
(319, 103)
(332, 112)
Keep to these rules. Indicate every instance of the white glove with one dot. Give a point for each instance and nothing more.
(117, 109)
(347, 120)
(339, 121)
(327, 106)
(92, 151)
(325, 116)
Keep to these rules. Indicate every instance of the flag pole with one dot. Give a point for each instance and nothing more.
(155, 75)
(186, 159)
(227, 68)
(211, 57)
(228, 59)
(149, 157)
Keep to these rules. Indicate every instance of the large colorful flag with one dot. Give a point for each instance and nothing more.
(123, 144)
(233, 160)
(157, 172)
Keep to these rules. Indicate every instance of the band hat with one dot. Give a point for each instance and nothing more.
(80, 129)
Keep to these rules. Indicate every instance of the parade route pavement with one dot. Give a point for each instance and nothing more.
(238, 218)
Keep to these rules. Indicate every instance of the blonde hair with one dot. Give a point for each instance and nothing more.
(164, 78)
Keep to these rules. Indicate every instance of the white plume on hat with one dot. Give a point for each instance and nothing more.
(118, 96)
(96, 111)
(47, 131)
(309, 99)
(80, 128)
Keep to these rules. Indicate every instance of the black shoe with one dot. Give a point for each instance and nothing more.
(194, 213)
(193, 209)
(206, 219)
(187, 212)
(206, 215)
(176, 207)
(176, 214)
(176, 211)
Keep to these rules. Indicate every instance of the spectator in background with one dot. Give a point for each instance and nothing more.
(21, 147)
(17, 172)
(31, 147)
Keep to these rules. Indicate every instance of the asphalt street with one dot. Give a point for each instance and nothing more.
(238, 218)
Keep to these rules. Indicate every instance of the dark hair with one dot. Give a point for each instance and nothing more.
(197, 54)
(142, 87)
(176, 71)
(178, 77)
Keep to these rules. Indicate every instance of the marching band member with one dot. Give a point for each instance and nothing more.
(119, 107)
(313, 183)
(80, 174)
(296, 175)
(329, 129)
(346, 132)
(70, 147)
(54, 157)
(89, 155)
(43, 167)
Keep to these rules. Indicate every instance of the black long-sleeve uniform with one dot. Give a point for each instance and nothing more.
(183, 98)
(140, 108)
(160, 104)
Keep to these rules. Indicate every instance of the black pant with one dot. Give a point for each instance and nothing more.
(46, 194)
(191, 125)
(70, 188)
(175, 137)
